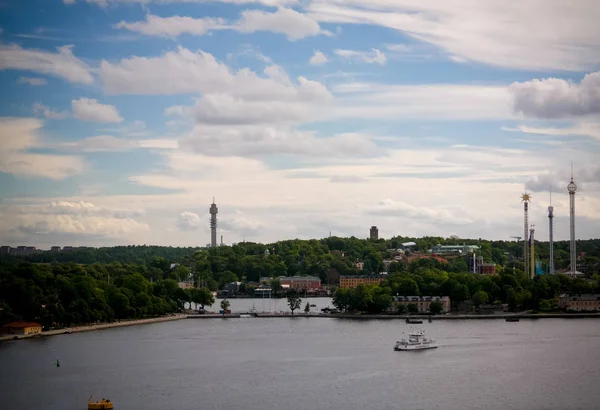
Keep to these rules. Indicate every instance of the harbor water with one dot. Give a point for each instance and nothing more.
(308, 363)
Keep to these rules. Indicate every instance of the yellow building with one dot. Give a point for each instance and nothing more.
(350, 282)
(21, 328)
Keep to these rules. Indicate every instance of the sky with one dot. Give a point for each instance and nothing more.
(121, 120)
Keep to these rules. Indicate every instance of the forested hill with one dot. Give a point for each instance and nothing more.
(89, 285)
(500, 252)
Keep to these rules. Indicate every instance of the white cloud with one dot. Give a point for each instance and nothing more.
(108, 143)
(374, 57)
(91, 110)
(18, 135)
(293, 24)
(189, 221)
(257, 141)
(83, 208)
(32, 81)
(433, 101)
(228, 110)
(318, 58)
(557, 98)
(173, 26)
(285, 21)
(444, 215)
(184, 72)
(536, 35)
(105, 3)
(581, 129)
(62, 64)
(69, 220)
(100, 143)
(48, 112)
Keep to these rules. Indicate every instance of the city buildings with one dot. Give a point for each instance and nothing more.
(579, 303)
(421, 302)
(350, 282)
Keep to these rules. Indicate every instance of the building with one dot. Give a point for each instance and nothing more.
(422, 302)
(21, 328)
(186, 284)
(295, 282)
(453, 249)
(350, 282)
(478, 266)
(579, 303)
(55, 249)
(374, 233)
(5, 250)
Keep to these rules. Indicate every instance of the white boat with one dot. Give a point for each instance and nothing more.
(416, 341)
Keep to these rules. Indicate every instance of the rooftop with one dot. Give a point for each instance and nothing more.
(20, 325)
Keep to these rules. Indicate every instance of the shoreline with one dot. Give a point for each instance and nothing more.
(424, 318)
(90, 328)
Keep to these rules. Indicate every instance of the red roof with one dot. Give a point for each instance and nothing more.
(20, 325)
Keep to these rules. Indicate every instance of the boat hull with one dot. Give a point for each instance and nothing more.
(408, 348)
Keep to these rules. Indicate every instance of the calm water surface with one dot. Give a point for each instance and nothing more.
(308, 363)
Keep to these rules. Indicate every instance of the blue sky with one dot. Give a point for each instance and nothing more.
(121, 119)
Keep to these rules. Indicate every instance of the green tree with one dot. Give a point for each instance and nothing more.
(342, 299)
(480, 298)
(293, 300)
(402, 309)
(436, 307)
(412, 308)
(225, 305)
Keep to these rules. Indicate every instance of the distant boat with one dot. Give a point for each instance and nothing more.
(100, 405)
(416, 341)
(512, 319)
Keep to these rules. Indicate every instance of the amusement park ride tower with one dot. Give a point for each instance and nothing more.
(525, 198)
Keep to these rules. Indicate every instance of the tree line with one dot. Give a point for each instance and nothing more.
(517, 290)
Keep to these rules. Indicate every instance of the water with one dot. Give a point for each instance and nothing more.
(308, 363)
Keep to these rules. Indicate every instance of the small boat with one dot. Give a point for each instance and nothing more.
(416, 341)
(313, 305)
(414, 321)
(103, 404)
(512, 319)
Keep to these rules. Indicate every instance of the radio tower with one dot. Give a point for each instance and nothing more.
(525, 198)
(572, 188)
(551, 233)
(213, 224)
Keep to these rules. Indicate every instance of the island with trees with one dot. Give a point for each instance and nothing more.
(92, 285)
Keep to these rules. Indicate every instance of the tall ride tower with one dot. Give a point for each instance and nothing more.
(213, 224)
(572, 188)
(532, 247)
(551, 234)
(525, 198)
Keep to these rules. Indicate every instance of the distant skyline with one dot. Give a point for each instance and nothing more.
(120, 120)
